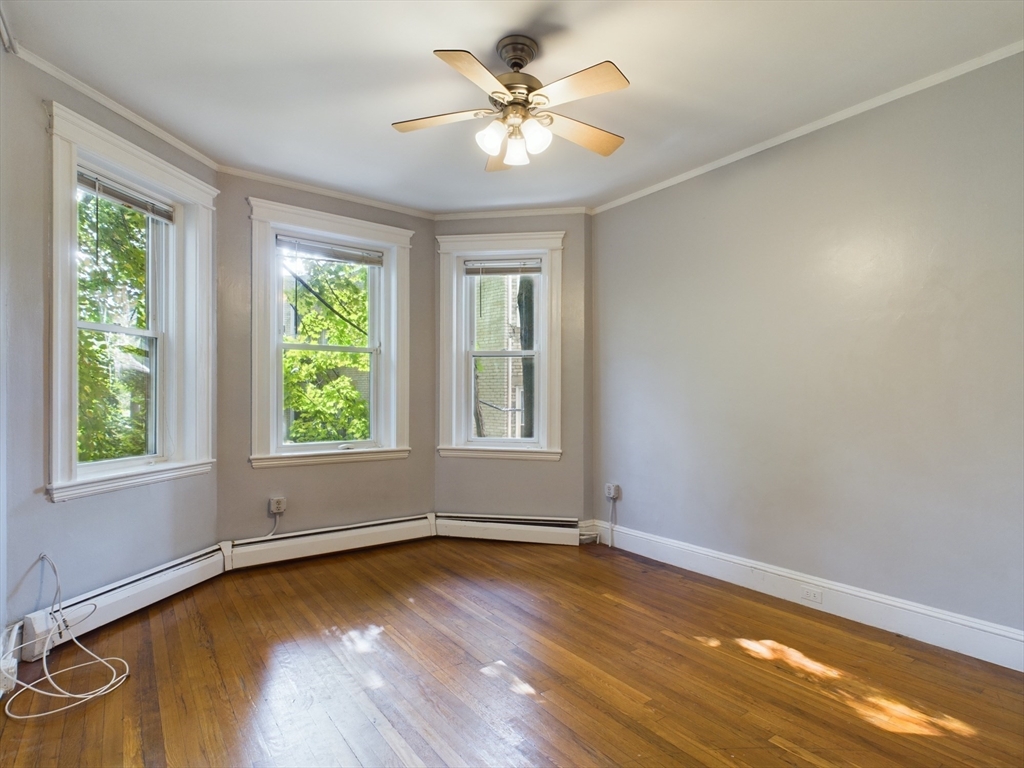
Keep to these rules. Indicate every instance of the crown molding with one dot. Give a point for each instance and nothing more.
(323, 191)
(864, 106)
(101, 98)
(511, 213)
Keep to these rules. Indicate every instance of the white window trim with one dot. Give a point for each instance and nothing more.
(392, 427)
(186, 385)
(453, 413)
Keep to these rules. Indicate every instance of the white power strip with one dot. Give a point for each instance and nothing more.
(8, 660)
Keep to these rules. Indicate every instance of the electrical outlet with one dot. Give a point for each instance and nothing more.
(810, 593)
(10, 671)
(612, 491)
(278, 504)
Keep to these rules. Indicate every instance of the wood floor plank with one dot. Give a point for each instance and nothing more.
(466, 653)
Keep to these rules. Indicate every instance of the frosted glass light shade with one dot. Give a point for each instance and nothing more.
(490, 138)
(516, 152)
(538, 138)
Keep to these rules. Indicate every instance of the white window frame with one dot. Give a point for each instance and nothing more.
(184, 287)
(390, 399)
(455, 406)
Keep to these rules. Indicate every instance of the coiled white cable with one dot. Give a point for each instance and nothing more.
(61, 625)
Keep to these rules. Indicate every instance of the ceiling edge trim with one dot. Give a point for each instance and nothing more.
(864, 106)
(511, 213)
(101, 98)
(323, 191)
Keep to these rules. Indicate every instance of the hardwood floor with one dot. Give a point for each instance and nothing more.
(460, 652)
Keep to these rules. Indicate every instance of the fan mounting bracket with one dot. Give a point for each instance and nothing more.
(517, 51)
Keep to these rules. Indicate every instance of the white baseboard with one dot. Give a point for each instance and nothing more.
(974, 637)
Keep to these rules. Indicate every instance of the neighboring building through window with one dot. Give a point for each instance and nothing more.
(330, 333)
(132, 315)
(500, 356)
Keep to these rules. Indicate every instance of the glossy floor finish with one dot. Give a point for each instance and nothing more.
(459, 652)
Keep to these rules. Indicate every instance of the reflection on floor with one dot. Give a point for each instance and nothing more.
(449, 652)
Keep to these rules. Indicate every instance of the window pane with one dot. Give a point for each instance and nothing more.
(326, 396)
(503, 397)
(113, 241)
(502, 312)
(115, 395)
(325, 301)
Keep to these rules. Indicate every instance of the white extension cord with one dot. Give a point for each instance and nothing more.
(60, 626)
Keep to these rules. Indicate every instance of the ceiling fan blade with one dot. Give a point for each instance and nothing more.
(496, 163)
(469, 66)
(451, 117)
(600, 78)
(587, 136)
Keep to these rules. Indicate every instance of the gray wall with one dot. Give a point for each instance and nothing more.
(813, 357)
(99, 539)
(508, 487)
(326, 494)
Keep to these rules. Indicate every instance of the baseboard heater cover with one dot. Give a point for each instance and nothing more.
(249, 552)
(533, 530)
(121, 598)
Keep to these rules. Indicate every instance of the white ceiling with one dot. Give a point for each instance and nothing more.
(307, 91)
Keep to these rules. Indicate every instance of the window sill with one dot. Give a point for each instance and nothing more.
(521, 454)
(332, 457)
(157, 473)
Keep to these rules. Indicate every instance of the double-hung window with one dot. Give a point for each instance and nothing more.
(123, 243)
(330, 303)
(132, 315)
(500, 361)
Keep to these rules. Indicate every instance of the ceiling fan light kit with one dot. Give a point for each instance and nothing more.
(519, 101)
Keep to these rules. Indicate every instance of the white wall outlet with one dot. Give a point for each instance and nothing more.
(810, 593)
(278, 504)
(612, 491)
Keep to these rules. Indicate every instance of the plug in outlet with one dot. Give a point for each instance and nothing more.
(278, 504)
(612, 491)
(813, 594)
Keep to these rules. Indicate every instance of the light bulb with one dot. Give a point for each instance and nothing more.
(490, 138)
(538, 138)
(516, 153)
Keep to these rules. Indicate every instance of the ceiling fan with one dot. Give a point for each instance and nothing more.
(519, 102)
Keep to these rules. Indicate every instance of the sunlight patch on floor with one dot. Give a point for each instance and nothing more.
(500, 670)
(871, 704)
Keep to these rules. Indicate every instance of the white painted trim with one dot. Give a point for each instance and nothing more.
(864, 106)
(510, 531)
(390, 417)
(294, 217)
(331, 457)
(313, 543)
(520, 454)
(511, 213)
(454, 427)
(158, 473)
(974, 637)
(100, 98)
(502, 244)
(184, 283)
(323, 191)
